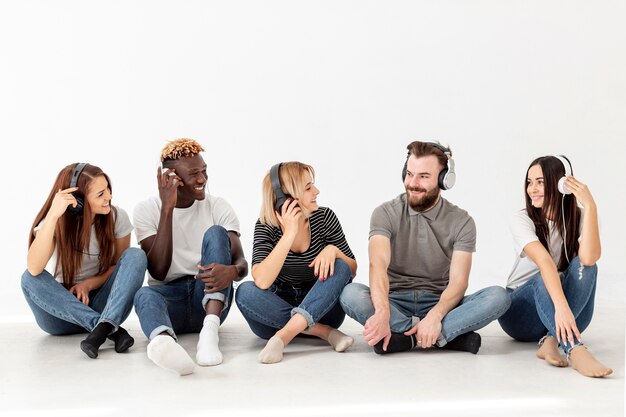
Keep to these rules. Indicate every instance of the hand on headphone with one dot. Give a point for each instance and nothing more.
(62, 199)
(290, 216)
(581, 191)
(168, 183)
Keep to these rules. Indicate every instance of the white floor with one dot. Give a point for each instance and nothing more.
(46, 375)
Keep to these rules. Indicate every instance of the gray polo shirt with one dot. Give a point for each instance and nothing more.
(422, 242)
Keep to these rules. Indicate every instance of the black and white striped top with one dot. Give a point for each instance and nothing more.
(325, 230)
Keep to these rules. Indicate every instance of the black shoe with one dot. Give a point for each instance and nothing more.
(397, 343)
(467, 342)
(89, 349)
(95, 339)
(123, 341)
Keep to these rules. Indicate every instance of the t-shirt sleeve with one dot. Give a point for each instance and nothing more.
(466, 237)
(523, 232)
(380, 223)
(40, 225)
(123, 226)
(224, 215)
(144, 221)
(264, 242)
(335, 235)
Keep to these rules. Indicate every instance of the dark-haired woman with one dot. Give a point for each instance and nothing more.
(93, 274)
(553, 282)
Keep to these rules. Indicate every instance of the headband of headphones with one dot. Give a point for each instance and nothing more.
(76, 173)
(447, 176)
(566, 164)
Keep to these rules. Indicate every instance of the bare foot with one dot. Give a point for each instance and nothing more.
(584, 362)
(549, 352)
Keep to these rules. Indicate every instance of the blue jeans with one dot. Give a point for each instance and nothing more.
(531, 315)
(58, 312)
(179, 306)
(474, 311)
(268, 311)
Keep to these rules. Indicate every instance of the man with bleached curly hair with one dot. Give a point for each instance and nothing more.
(194, 254)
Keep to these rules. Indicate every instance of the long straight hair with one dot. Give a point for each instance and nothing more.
(291, 178)
(72, 234)
(556, 207)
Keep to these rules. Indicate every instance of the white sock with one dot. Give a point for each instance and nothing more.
(339, 341)
(273, 351)
(166, 353)
(208, 353)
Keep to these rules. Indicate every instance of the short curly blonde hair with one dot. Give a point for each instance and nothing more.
(181, 148)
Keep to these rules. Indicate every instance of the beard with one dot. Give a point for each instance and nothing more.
(424, 202)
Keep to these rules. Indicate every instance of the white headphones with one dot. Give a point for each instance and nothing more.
(568, 173)
(561, 185)
(447, 176)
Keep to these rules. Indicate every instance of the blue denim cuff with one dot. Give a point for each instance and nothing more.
(215, 296)
(441, 341)
(568, 347)
(306, 315)
(160, 330)
(115, 326)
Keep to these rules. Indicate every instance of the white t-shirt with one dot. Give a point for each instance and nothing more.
(524, 232)
(188, 227)
(91, 264)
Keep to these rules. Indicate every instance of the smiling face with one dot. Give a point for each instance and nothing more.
(308, 199)
(193, 174)
(99, 196)
(421, 182)
(535, 186)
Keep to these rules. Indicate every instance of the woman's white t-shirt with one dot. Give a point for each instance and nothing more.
(91, 263)
(524, 232)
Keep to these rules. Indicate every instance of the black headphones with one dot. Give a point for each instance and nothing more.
(281, 197)
(447, 176)
(80, 201)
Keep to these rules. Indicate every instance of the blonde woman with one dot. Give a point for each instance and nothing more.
(301, 262)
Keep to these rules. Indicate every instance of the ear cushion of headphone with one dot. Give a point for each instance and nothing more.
(80, 201)
(80, 204)
(448, 180)
(561, 186)
(279, 203)
(567, 166)
(442, 179)
(281, 197)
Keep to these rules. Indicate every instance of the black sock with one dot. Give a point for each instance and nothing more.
(96, 338)
(122, 340)
(468, 342)
(398, 342)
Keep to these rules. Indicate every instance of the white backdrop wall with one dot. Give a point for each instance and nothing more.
(342, 85)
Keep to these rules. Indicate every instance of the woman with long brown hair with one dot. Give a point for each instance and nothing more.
(553, 282)
(93, 273)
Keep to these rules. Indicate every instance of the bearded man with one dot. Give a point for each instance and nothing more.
(420, 253)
